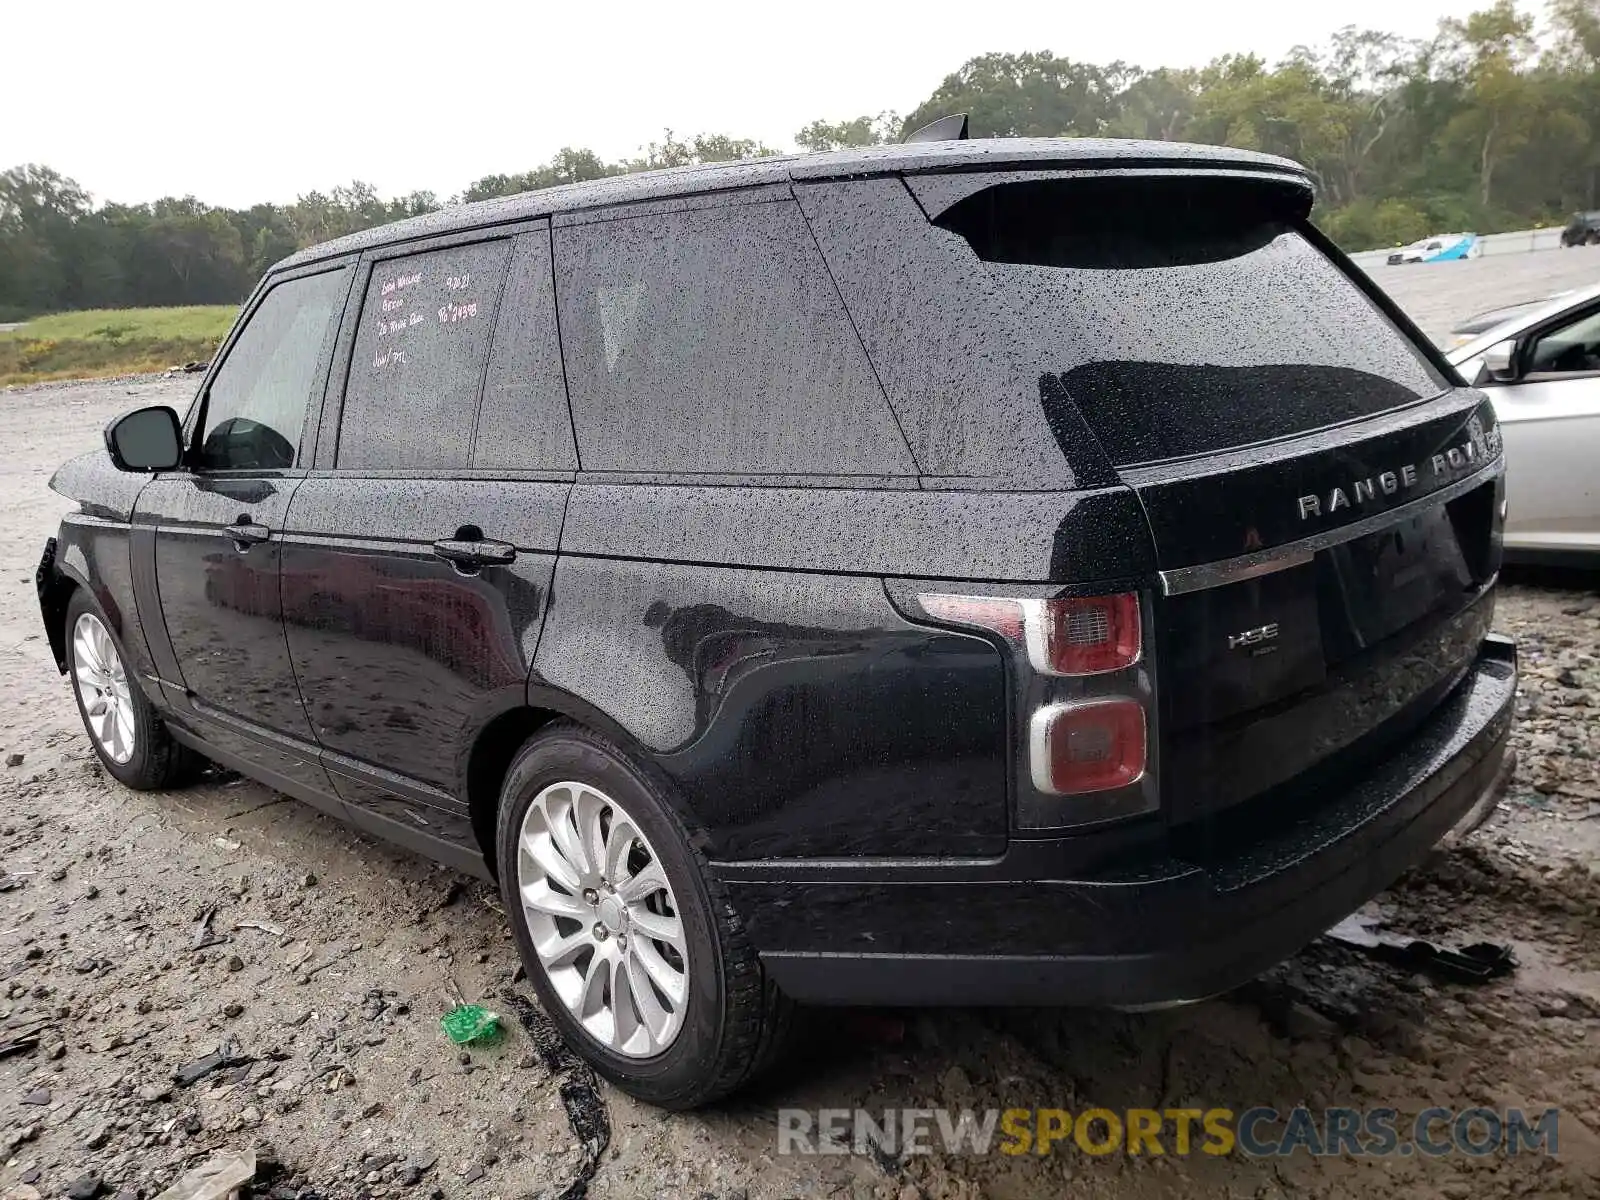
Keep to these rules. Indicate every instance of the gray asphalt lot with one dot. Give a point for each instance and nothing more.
(1438, 295)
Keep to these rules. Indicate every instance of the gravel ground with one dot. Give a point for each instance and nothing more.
(356, 1091)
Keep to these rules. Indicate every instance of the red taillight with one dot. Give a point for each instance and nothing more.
(1086, 635)
(1070, 635)
(1087, 746)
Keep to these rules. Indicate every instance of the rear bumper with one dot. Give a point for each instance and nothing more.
(1150, 933)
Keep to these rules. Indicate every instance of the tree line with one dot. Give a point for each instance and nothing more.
(1493, 123)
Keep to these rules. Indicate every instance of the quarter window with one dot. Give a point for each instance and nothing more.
(256, 405)
(419, 356)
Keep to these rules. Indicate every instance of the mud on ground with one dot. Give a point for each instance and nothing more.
(352, 1084)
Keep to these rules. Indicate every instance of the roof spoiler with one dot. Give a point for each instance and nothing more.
(946, 129)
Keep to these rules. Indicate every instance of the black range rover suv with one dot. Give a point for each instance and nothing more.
(968, 572)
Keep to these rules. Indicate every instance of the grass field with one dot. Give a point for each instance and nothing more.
(111, 341)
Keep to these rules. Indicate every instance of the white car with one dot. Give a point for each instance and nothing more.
(1542, 366)
(1441, 247)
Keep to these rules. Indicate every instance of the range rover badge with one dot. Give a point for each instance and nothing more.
(1389, 483)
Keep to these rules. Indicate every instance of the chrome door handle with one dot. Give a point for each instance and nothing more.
(246, 533)
(476, 553)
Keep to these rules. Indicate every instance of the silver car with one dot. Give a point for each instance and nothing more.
(1542, 366)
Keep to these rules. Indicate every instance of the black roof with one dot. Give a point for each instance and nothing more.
(975, 154)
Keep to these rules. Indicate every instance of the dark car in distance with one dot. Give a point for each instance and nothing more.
(1582, 230)
(1035, 571)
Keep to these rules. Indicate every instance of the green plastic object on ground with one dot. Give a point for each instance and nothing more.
(470, 1023)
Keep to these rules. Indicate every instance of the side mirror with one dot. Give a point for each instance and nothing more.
(147, 439)
(1499, 363)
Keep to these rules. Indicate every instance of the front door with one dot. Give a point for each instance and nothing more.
(219, 526)
(1550, 421)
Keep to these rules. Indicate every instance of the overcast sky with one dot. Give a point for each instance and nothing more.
(241, 102)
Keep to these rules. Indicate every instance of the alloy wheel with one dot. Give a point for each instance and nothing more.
(603, 919)
(103, 687)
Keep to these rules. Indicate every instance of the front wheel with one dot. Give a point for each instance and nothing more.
(132, 742)
(626, 935)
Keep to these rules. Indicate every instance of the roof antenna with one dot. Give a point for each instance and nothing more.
(946, 129)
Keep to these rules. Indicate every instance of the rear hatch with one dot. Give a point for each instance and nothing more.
(1291, 652)
(1322, 501)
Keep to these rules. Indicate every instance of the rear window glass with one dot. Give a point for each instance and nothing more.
(713, 341)
(1181, 317)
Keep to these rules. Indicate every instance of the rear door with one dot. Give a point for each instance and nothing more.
(418, 555)
(219, 524)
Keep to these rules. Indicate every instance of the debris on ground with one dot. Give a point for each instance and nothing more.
(1475, 963)
(203, 935)
(214, 1178)
(587, 1115)
(18, 1045)
(225, 1055)
(17, 1037)
(469, 1023)
(263, 926)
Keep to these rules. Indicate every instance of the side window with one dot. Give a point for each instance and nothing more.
(419, 355)
(714, 341)
(256, 404)
(1569, 349)
(523, 422)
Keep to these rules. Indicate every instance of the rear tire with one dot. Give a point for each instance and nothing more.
(626, 904)
(127, 734)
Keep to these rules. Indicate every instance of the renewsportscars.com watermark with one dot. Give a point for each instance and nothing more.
(1259, 1132)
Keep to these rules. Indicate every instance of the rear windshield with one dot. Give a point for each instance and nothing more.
(1183, 316)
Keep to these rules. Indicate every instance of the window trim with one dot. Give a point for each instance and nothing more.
(622, 210)
(325, 454)
(194, 419)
